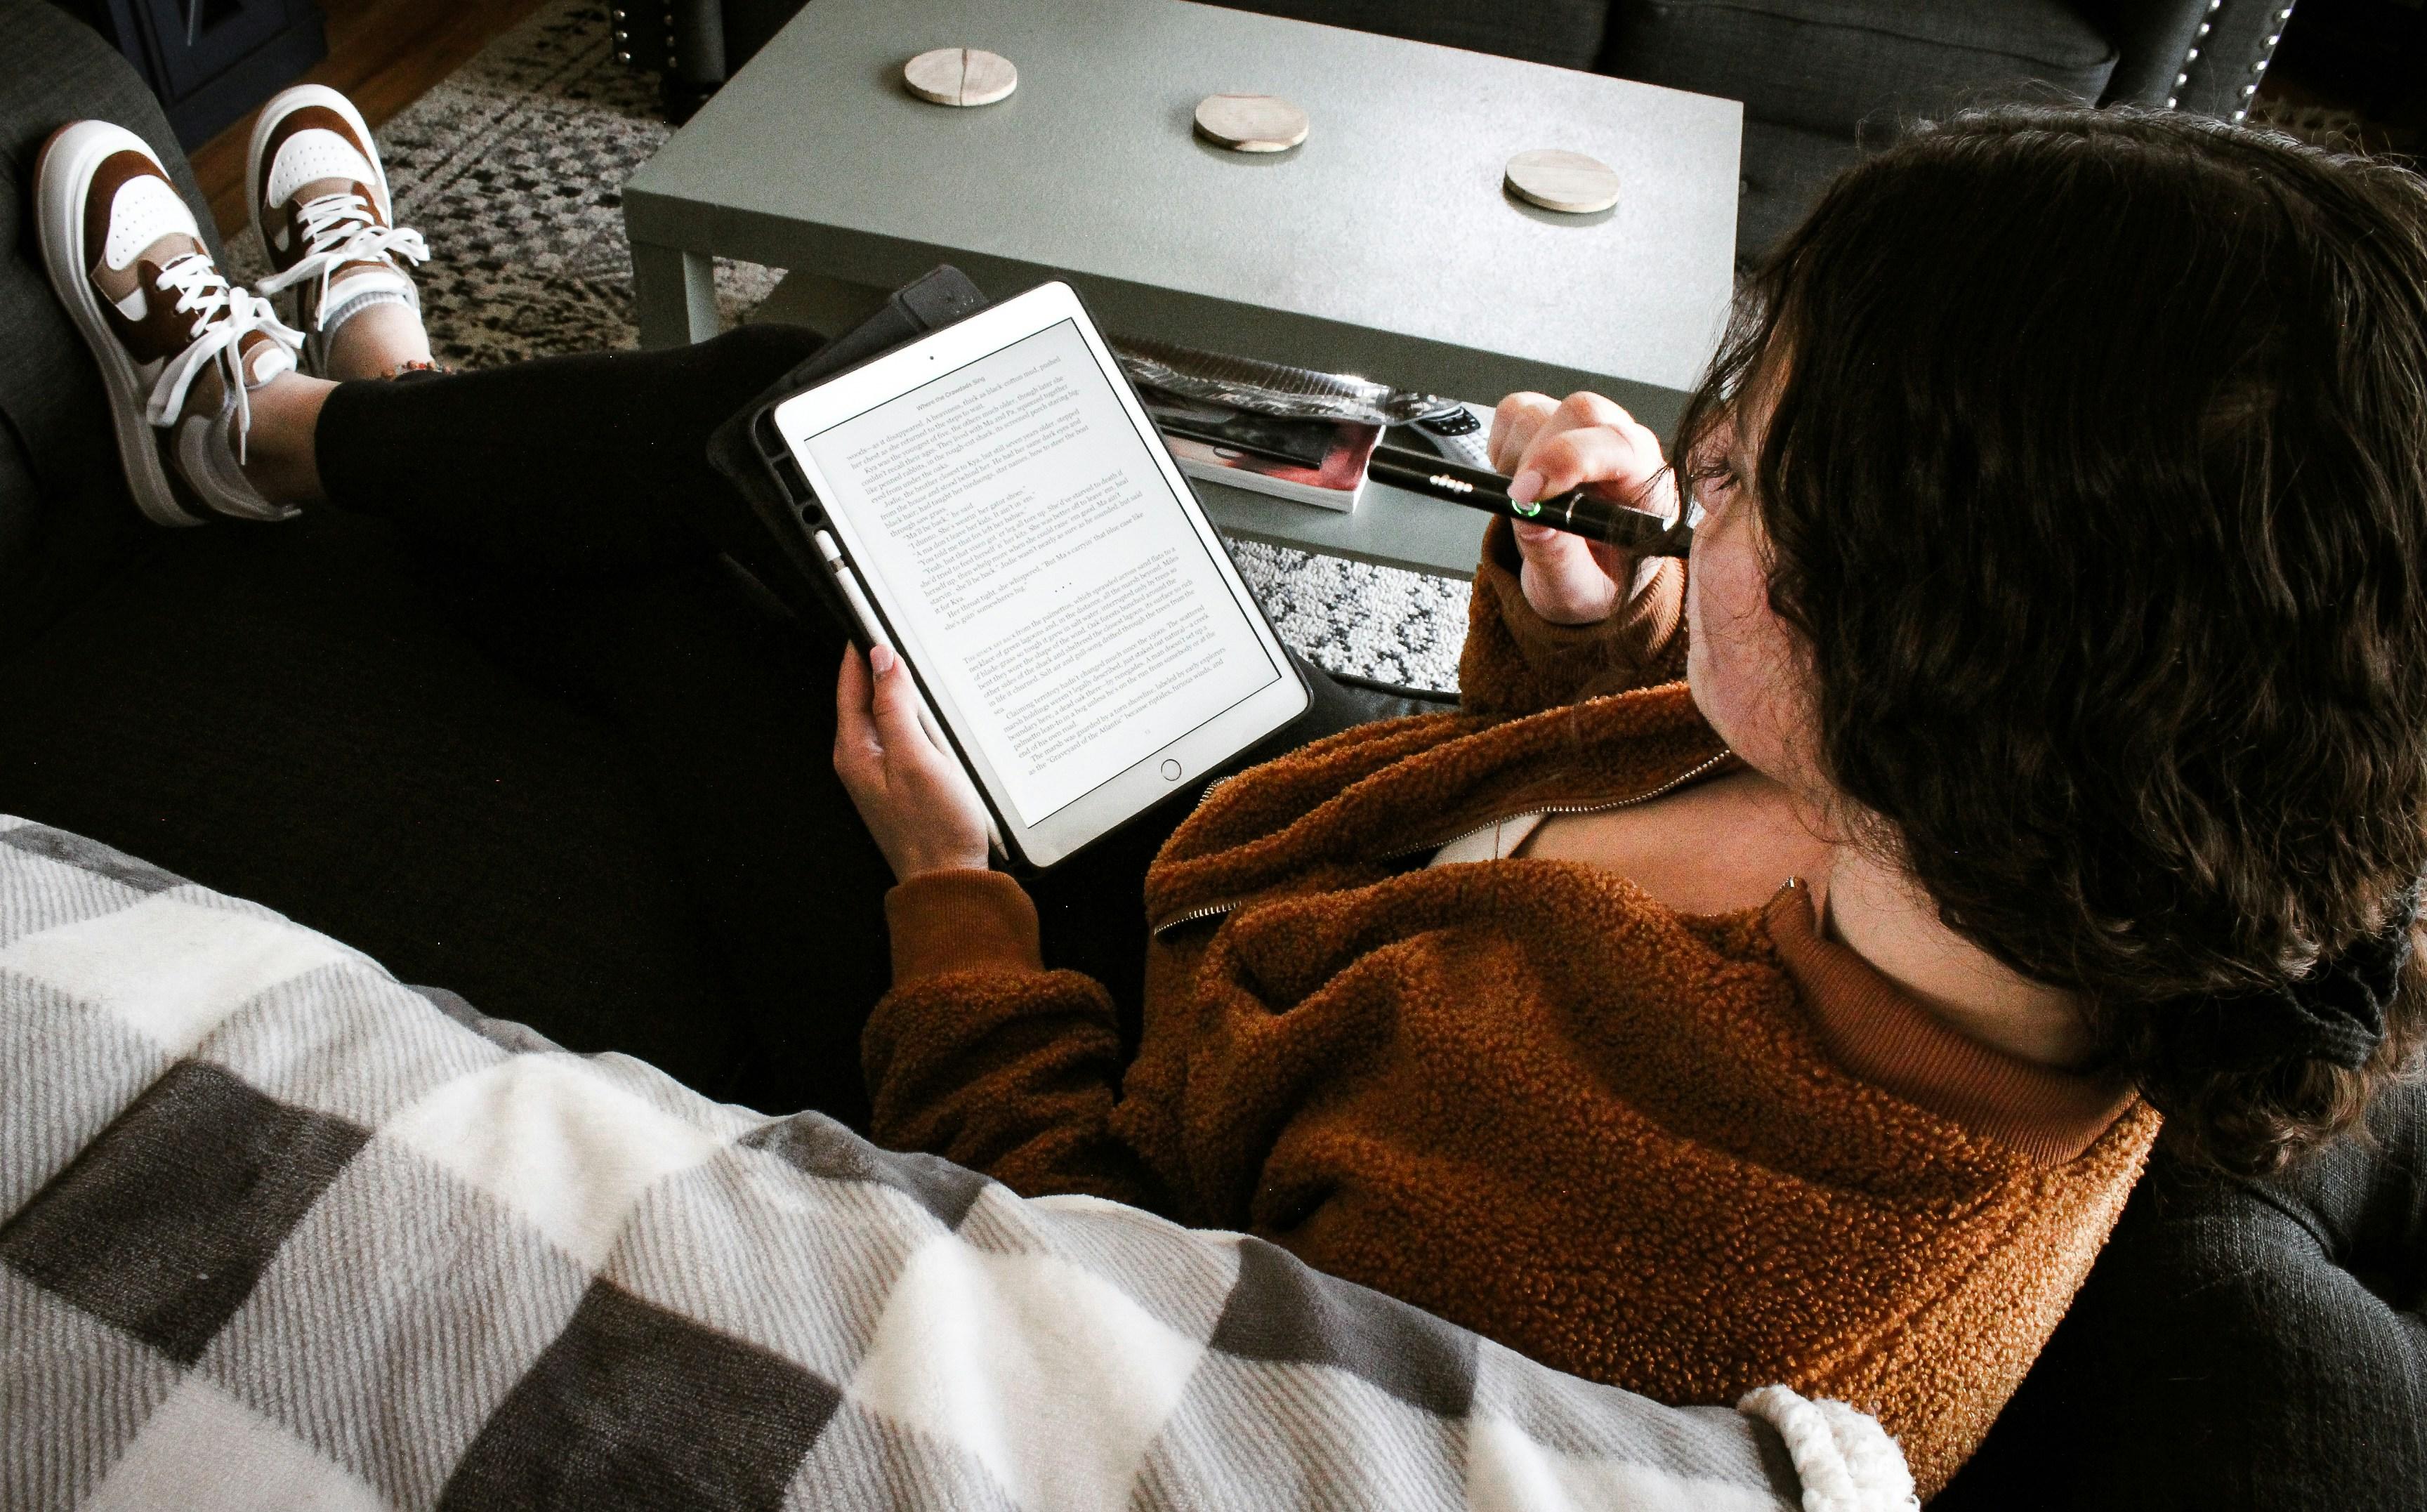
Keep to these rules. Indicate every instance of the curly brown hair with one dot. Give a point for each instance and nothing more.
(2096, 488)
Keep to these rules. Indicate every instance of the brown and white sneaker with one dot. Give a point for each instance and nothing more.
(178, 346)
(320, 203)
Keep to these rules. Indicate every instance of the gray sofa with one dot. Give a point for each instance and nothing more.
(2239, 1344)
(1813, 73)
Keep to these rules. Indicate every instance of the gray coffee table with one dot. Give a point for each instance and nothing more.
(1384, 245)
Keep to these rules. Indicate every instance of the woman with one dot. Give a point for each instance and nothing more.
(1776, 968)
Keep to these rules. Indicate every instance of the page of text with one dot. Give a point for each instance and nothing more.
(1044, 576)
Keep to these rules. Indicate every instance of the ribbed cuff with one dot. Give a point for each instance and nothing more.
(964, 921)
(1637, 631)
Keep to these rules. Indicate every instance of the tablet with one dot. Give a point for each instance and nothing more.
(1012, 524)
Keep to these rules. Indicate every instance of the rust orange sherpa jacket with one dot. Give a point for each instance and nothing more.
(1686, 1155)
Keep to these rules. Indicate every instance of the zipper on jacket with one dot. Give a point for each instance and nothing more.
(1209, 910)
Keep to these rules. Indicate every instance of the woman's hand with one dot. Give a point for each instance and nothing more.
(1549, 446)
(914, 798)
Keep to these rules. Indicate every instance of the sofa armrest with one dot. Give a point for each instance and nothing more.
(65, 517)
(2191, 55)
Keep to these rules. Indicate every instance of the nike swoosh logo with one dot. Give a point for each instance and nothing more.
(134, 306)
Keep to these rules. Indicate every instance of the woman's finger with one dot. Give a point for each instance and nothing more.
(1514, 422)
(1562, 460)
(855, 740)
(1550, 546)
(1563, 552)
(1563, 578)
(1580, 411)
(1583, 441)
(893, 706)
(1622, 462)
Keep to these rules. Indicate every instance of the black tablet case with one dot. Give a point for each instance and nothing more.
(775, 543)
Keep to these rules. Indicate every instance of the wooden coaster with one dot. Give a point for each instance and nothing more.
(1569, 183)
(960, 76)
(1251, 123)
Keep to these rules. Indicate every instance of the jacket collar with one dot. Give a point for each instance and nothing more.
(1880, 1033)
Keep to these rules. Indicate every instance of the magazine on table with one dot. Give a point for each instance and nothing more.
(1313, 462)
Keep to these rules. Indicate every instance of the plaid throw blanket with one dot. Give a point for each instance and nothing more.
(281, 1233)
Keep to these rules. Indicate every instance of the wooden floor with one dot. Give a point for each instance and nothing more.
(383, 54)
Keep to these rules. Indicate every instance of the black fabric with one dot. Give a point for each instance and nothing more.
(65, 513)
(2336, 1013)
(296, 714)
(2250, 1344)
(572, 468)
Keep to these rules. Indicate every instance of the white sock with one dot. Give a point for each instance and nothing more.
(356, 305)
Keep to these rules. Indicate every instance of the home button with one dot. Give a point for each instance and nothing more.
(1171, 772)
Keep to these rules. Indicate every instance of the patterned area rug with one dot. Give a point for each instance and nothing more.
(513, 168)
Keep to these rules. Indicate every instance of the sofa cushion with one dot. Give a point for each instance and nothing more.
(1826, 65)
(2254, 1344)
(64, 510)
(1785, 169)
(1565, 32)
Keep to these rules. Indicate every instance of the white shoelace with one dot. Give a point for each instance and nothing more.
(339, 229)
(223, 315)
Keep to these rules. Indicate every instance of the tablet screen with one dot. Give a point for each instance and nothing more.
(1038, 569)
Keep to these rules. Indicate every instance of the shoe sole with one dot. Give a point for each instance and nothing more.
(64, 175)
(295, 98)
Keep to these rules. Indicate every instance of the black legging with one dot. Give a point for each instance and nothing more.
(559, 499)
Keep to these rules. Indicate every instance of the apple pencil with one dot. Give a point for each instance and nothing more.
(1577, 511)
